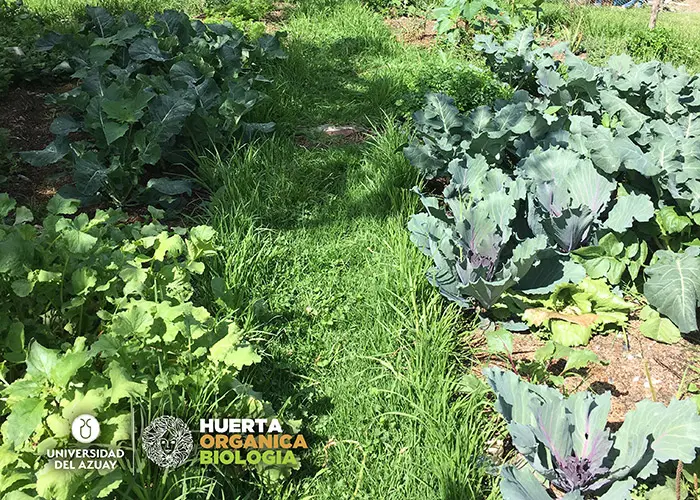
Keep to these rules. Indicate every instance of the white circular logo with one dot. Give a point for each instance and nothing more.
(85, 428)
(167, 441)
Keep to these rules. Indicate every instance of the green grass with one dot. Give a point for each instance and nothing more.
(345, 66)
(609, 31)
(358, 344)
(75, 9)
(238, 12)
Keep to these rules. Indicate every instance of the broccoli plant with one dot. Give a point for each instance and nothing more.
(148, 95)
(566, 443)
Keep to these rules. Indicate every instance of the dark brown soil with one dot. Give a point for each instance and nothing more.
(26, 116)
(437, 185)
(624, 373)
(274, 19)
(413, 30)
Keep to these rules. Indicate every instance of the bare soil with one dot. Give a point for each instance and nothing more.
(413, 30)
(328, 135)
(686, 6)
(273, 20)
(624, 372)
(27, 118)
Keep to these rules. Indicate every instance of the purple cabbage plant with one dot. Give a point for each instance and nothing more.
(568, 446)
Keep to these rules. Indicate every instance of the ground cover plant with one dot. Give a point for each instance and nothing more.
(98, 316)
(20, 61)
(150, 94)
(578, 156)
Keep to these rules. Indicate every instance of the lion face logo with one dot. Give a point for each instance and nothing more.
(167, 441)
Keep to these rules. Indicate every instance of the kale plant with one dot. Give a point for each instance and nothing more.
(599, 155)
(568, 446)
(149, 95)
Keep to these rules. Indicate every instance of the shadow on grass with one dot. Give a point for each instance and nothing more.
(320, 84)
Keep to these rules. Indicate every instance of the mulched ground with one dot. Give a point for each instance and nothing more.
(624, 373)
(413, 30)
(26, 116)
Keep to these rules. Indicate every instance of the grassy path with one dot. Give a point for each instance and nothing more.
(358, 344)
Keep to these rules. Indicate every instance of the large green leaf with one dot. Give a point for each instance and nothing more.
(439, 113)
(168, 115)
(101, 21)
(513, 396)
(171, 187)
(59, 205)
(146, 48)
(675, 433)
(64, 125)
(552, 428)
(7, 205)
(673, 286)
(632, 120)
(658, 328)
(77, 241)
(620, 490)
(122, 385)
(24, 419)
(627, 209)
(90, 175)
(52, 153)
(68, 365)
(588, 414)
(570, 334)
(129, 110)
(521, 484)
(41, 360)
(232, 351)
(512, 118)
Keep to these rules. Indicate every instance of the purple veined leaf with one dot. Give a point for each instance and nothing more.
(552, 429)
(591, 440)
(521, 484)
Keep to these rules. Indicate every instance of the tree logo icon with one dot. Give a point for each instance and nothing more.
(167, 441)
(85, 428)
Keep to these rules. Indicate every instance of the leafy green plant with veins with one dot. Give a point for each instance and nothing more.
(148, 96)
(553, 183)
(97, 315)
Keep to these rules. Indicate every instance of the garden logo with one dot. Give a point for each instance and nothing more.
(167, 441)
(248, 441)
(85, 429)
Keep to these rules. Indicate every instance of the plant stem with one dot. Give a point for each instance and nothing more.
(679, 473)
(651, 385)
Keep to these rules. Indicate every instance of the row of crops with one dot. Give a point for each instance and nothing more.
(99, 306)
(561, 212)
(577, 193)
